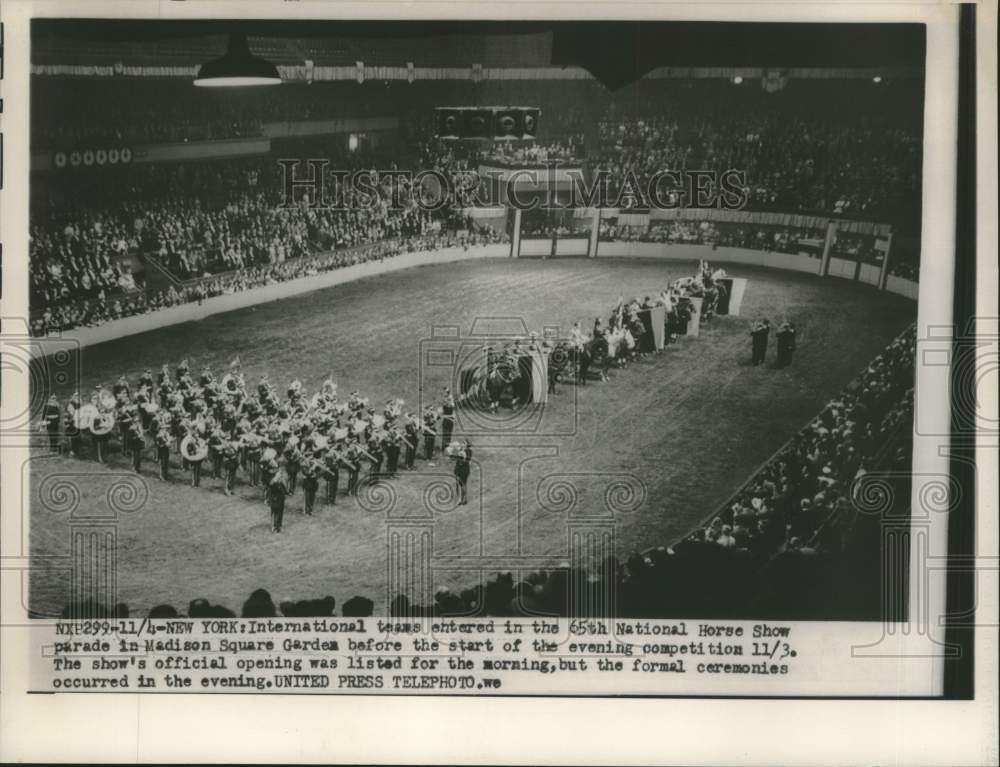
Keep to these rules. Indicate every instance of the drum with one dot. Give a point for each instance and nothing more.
(200, 454)
(102, 424)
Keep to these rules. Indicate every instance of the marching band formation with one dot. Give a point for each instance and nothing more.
(277, 441)
(281, 442)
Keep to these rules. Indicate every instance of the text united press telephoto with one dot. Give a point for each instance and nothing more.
(472, 357)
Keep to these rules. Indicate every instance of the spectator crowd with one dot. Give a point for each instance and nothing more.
(90, 233)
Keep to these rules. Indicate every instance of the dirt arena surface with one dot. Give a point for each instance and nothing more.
(651, 452)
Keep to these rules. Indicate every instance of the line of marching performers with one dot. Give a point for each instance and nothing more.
(280, 443)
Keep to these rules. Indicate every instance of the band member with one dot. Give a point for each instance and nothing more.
(430, 431)
(310, 485)
(447, 417)
(786, 343)
(216, 444)
(352, 461)
(462, 466)
(293, 462)
(411, 434)
(147, 409)
(332, 471)
(268, 468)
(136, 443)
(72, 430)
(124, 425)
(164, 388)
(194, 450)
(275, 495)
(51, 417)
(231, 462)
(376, 455)
(121, 390)
(100, 427)
(392, 447)
(253, 449)
(163, 442)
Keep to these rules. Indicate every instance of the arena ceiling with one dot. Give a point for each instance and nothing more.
(616, 53)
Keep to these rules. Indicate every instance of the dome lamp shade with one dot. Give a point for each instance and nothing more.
(237, 68)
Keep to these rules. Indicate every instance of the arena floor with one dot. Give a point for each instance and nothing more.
(672, 436)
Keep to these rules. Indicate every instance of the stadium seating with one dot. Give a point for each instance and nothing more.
(801, 150)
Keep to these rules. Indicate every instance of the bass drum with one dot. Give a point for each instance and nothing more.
(193, 455)
(102, 424)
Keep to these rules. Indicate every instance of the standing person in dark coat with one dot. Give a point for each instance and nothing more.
(51, 417)
(216, 444)
(786, 343)
(194, 450)
(163, 442)
(759, 334)
(447, 417)
(410, 438)
(136, 444)
(252, 451)
(332, 471)
(276, 492)
(310, 485)
(231, 462)
(73, 432)
(352, 460)
(463, 463)
(293, 462)
(100, 427)
(268, 468)
(125, 420)
(430, 431)
(392, 445)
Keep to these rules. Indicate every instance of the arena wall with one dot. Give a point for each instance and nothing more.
(683, 252)
(840, 268)
(675, 252)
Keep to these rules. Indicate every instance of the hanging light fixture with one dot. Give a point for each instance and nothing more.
(238, 68)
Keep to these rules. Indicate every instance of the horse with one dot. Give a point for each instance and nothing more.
(487, 382)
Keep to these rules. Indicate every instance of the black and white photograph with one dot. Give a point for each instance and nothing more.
(477, 356)
(349, 339)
